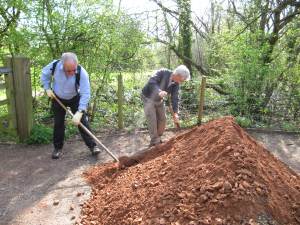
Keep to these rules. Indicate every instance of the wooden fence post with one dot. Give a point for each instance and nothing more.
(201, 97)
(19, 95)
(10, 101)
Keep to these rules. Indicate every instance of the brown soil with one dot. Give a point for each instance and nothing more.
(213, 174)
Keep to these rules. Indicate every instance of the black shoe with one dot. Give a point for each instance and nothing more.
(95, 150)
(56, 153)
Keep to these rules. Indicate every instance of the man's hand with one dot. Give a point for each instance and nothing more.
(50, 93)
(162, 94)
(77, 117)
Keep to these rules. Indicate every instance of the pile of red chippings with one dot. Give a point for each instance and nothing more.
(212, 174)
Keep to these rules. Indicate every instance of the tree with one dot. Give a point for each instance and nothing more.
(270, 19)
(9, 16)
(185, 34)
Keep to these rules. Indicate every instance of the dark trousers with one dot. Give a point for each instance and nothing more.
(59, 122)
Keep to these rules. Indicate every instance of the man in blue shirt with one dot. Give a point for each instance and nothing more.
(163, 82)
(64, 87)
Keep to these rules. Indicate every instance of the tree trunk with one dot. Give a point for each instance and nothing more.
(185, 34)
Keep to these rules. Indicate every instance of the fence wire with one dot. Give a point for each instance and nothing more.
(277, 116)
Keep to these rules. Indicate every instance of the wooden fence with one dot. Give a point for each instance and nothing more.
(17, 84)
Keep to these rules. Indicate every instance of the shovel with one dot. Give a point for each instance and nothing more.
(87, 130)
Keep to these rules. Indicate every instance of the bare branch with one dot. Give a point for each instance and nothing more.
(9, 19)
(240, 15)
(176, 14)
(288, 18)
(173, 48)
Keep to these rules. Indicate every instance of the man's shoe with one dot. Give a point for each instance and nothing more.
(95, 150)
(56, 153)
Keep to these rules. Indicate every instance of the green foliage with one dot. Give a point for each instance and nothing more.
(3, 110)
(258, 70)
(290, 126)
(70, 131)
(241, 69)
(106, 101)
(260, 78)
(243, 121)
(214, 104)
(40, 134)
(42, 110)
(9, 16)
(190, 95)
(52, 27)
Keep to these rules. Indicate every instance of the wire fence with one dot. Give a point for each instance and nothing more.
(280, 113)
(276, 115)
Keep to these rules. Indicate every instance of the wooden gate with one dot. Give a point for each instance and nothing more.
(17, 84)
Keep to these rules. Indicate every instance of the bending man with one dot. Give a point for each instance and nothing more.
(162, 83)
(71, 86)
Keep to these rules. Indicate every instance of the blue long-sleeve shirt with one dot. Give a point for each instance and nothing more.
(161, 81)
(64, 86)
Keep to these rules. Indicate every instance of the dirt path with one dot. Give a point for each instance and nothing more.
(285, 146)
(31, 182)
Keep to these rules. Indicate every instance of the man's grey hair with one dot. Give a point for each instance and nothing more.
(69, 56)
(182, 71)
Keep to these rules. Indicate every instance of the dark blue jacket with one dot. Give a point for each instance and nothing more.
(160, 81)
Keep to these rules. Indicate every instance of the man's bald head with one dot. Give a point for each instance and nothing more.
(70, 62)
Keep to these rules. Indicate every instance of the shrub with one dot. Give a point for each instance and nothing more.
(40, 134)
(290, 126)
(243, 121)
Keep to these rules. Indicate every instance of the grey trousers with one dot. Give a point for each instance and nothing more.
(156, 119)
